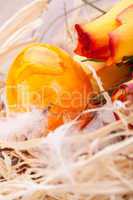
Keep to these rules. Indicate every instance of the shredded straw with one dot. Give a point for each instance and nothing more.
(68, 164)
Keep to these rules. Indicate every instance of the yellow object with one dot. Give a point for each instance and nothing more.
(126, 15)
(95, 38)
(110, 75)
(121, 43)
(45, 76)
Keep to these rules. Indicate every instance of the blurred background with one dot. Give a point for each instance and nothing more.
(9, 7)
(57, 21)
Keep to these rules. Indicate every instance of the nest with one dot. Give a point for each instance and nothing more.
(69, 164)
(92, 164)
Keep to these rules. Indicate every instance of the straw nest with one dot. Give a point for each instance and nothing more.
(92, 164)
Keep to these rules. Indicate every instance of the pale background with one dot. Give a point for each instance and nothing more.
(8, 7)
(57, 26)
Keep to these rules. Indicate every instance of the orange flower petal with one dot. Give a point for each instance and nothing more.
(126, 15)
(88, 46)
(93, 37)
(121, 43)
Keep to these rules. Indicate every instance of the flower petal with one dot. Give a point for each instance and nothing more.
(126, 15)
(93, 37)
(121, 43)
